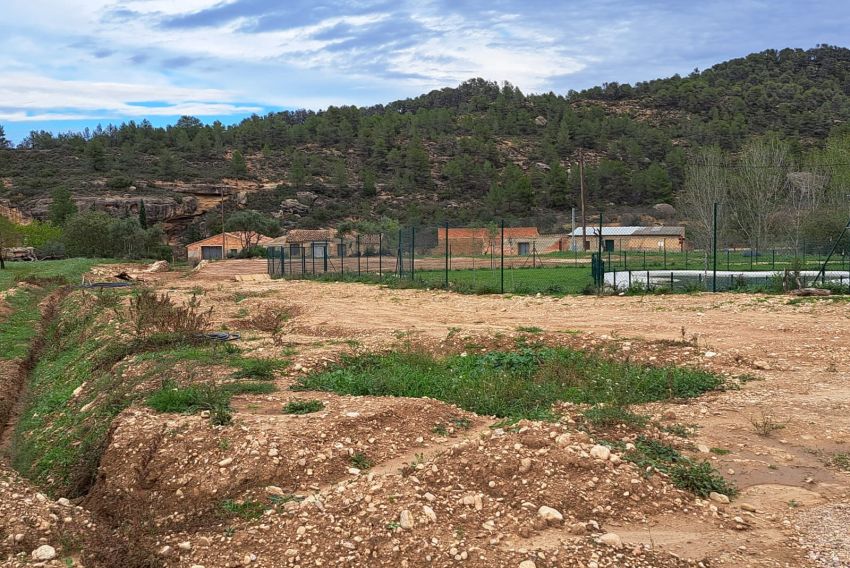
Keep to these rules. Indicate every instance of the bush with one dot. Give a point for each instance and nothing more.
(158, 314)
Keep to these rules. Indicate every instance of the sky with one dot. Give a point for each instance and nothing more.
(68, 64)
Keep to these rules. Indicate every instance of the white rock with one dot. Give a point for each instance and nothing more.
(611, 539)
(549, 514)
(600, 452)
(64, 502)
(748, 507)
(185, 545)
(718, 497)
(524, 465)
(703, 449)
(429, 512)
(44, 552)
(225, 462)
(405, 520)
(274, 491)
(527, 564)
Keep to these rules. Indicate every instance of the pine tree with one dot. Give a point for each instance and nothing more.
(143, 215)
(238, 166)
(62, 207)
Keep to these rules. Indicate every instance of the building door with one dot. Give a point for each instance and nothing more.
(523, 249)
(294, 250)
(340, 250)
(609, 245)
(211, 253)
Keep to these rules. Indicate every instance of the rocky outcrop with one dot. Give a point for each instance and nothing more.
(157, 208)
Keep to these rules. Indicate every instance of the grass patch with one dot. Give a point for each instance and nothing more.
(256, 368)
(303, 406)
(529, 329)
(608, 415)
(841, 461)
(248, 510)
(189, 399)
(516, 384)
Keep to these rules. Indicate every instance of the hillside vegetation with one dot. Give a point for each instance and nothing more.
(474, 152)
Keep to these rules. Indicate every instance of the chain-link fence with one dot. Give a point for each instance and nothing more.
(501, 257)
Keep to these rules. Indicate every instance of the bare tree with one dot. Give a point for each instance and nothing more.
(806, 192)
(759, 189)
(706, 183)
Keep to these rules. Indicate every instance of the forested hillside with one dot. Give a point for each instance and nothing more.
(478, 151)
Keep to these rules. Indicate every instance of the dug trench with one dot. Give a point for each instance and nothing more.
(178, 452)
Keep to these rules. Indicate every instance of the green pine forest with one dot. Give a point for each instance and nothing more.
(479, 151)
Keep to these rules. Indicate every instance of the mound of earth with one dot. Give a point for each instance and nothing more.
(36, 530)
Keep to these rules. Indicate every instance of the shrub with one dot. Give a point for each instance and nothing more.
(303, 406)
(152, 313)
(700, 479)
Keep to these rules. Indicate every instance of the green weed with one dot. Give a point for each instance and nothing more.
(361, 461)
(303, 406)
(248, 510)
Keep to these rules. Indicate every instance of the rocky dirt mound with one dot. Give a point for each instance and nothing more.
(169, 470)
(538, 494)
(35, 530)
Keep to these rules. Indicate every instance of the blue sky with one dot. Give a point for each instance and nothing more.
(67, 64)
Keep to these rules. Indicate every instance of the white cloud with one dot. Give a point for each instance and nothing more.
(33, 97)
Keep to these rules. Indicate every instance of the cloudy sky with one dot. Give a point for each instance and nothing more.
(66, 64)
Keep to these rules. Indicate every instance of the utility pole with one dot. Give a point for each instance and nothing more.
(583, 214)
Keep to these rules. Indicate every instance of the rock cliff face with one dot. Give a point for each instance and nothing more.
(157, 209)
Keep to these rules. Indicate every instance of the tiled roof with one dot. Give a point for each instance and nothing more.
(231, 237)
(307, 235)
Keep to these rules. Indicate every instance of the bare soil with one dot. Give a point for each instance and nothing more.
(470, 496)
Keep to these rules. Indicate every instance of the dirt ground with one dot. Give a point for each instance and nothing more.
(472, 495)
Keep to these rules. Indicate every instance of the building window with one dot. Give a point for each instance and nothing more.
(523, 249)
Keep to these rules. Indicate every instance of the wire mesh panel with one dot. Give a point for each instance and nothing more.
(535, 258)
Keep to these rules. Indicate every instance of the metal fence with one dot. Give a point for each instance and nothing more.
(502, 257)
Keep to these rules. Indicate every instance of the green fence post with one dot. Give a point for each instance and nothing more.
(400, 256)
(358, 255)
(502, 266)
(447, 255)
(381, 255)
